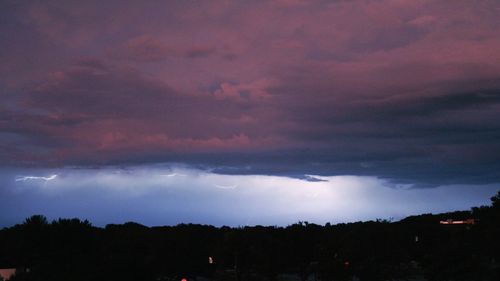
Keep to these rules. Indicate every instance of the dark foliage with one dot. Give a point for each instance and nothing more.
(71, 249)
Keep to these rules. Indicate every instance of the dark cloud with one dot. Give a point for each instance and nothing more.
(430, 106)
(400, 90)
(96, 90)
(147, 48)
(199, 51)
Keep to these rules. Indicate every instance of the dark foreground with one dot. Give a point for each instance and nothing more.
(417, 247)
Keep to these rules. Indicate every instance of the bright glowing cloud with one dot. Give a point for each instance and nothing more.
(156, 195)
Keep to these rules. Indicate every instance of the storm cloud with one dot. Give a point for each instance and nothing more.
(405, 91)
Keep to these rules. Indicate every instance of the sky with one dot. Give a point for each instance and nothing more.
(247, 112)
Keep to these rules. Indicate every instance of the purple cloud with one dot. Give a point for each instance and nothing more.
(282, 86)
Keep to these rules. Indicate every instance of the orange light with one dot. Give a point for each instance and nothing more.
(450, 221)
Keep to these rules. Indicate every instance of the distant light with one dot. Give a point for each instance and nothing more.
(210, 260)
(346, 264)
(7, 273)
(450, 221)
(184, 279)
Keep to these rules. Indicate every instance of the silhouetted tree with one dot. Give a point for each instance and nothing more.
(36, 221)
(495, 200)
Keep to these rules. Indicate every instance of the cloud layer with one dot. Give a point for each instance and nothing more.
(167, 195)
(407, 91)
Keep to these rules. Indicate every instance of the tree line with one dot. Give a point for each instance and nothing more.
(74, 249)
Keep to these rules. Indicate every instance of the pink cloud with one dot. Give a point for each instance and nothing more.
(232, 76)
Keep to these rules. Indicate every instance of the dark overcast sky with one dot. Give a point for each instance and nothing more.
(402, 91)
